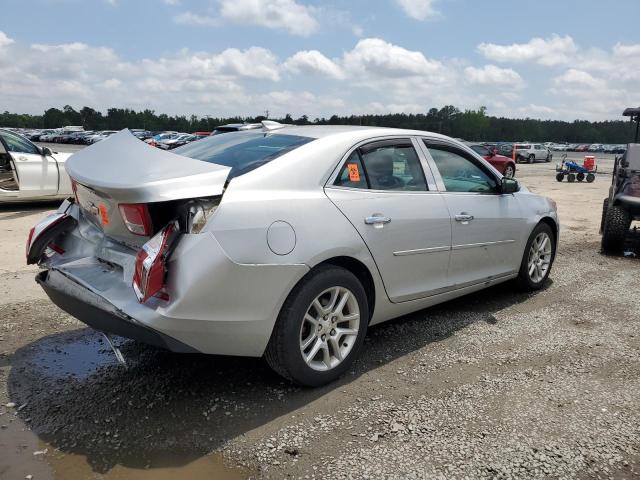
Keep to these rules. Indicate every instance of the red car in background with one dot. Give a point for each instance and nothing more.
(504, 165)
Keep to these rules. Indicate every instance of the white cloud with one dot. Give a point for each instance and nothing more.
(378, 57)
(492, 75)
(312, 62)
(575, 77)
(4, 40)
(622, 50)
(285, 15)
(190, 18)
(418, 9)
(554, 50)
(172, 3)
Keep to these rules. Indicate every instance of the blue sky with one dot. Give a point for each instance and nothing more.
(545, 59)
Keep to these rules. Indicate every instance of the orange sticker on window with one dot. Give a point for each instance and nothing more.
(104, 216)
(354, 173)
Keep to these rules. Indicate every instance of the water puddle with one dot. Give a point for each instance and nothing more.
(80, 357)
(210, 467)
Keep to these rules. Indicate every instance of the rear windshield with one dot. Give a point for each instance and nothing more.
(242, 151)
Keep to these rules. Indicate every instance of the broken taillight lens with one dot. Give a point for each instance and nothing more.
(151, 263)
(136, 217)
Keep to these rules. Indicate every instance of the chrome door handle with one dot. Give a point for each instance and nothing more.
(376, 219)
(463, 217)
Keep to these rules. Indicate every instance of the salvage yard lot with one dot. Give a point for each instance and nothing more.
(497, 383)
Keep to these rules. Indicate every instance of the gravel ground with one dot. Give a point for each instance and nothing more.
(497, 384)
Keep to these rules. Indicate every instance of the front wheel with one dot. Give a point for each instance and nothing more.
(509, 171)
(571, 177)
(537, 259)
(560, 176)
(616, 226)
(321, 327)
(532, 158)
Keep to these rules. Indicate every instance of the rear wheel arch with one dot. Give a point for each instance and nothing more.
(361, 272)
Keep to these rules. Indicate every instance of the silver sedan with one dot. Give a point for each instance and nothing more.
(285, 242)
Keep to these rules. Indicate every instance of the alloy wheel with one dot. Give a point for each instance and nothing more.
(330, 328)
(539, 259)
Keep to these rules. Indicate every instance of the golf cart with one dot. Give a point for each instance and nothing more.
(623, 204)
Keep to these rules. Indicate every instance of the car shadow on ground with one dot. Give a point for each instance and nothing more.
(169, 409)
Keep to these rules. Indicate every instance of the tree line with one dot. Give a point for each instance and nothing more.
(449, 120)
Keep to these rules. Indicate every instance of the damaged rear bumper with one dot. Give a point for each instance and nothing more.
(93, 310)
(214, 305)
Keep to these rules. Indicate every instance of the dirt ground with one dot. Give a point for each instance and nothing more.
(497, 384)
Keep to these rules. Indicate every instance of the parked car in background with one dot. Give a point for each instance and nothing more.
(175, 141)
(582, 148)
(29, 172)
(36, 135)
(505, 165)
(215, 249)
(532, 152)
(100, 136)
(160, 136)
(201, 134)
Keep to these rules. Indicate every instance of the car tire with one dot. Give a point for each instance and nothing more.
(590, 177)
(549, 158)
(525, 280)
(532, 158)
(616, 226)
(571, 177)
(605, 204)
(560, 176)
(285, 351)
(580, 177)
(509, 171)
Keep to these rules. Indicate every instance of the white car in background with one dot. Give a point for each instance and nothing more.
(100, 136)
(532, 152)
(29, 172)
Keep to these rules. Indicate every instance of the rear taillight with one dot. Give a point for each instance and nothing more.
(41, 235)
(151, 264)
(136, 217)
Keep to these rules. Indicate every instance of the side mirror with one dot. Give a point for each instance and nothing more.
(46, 151)
(509, 185)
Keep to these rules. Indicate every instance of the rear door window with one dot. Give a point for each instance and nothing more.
(384, 165)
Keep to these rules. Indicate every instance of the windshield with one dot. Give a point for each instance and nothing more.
(242, 151)
(480, 150)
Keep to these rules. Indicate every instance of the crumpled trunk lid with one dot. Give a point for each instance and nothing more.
(123, 170)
